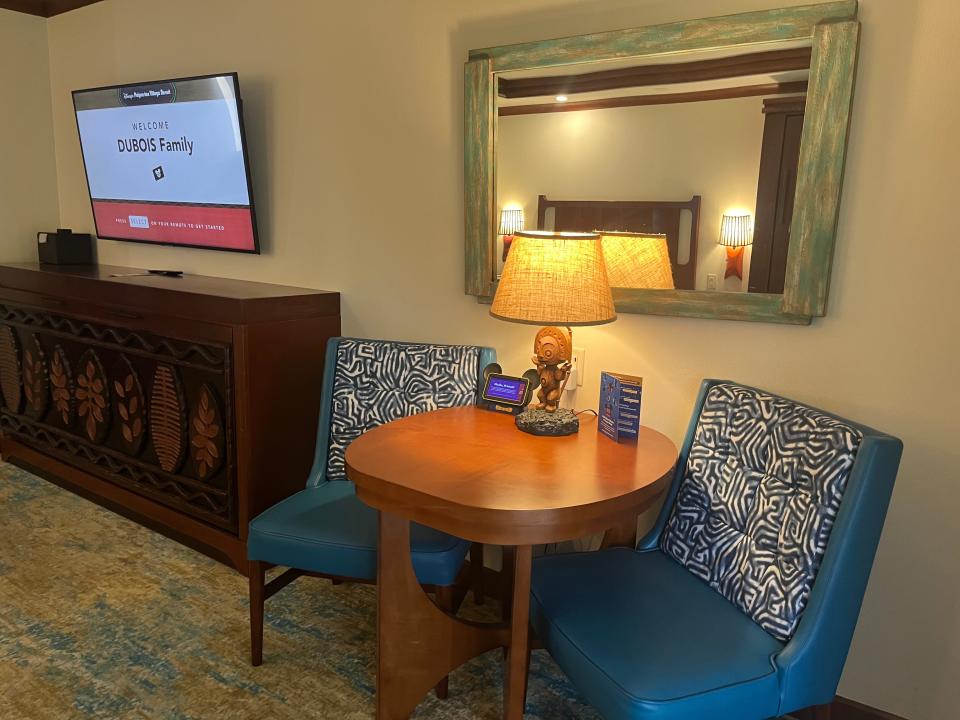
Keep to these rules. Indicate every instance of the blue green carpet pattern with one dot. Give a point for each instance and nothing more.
(102, 618)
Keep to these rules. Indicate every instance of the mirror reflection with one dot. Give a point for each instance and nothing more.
(697, 151)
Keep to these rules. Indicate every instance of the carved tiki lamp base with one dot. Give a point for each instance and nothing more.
(552, 349)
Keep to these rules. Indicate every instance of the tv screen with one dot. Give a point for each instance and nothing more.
(166, 163)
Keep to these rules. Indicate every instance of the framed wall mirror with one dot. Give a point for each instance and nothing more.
(719, 141)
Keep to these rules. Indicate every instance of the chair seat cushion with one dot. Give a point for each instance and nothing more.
(327, 529)
(643, 638)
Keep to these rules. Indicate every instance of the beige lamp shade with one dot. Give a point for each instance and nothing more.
(554, 279)
(736, 230)
(637, 260)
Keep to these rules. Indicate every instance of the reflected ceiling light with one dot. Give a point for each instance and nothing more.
(561, 98)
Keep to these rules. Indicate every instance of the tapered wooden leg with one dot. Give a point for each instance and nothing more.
(507, 563)
(508, 556)
(476, 572)
(417, 642)
(531, 639)
(444, 599)
(257, 573)
(518, 658)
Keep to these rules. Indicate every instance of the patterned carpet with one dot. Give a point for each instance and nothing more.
(101, 618)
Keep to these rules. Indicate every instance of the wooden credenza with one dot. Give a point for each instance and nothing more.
(189, 404)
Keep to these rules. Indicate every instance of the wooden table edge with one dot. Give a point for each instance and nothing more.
(507, 526)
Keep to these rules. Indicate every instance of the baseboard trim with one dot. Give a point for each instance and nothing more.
(843, 709)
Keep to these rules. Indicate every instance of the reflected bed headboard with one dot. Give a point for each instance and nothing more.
(643, 216)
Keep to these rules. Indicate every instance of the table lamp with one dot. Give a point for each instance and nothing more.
(637, 260)
(553, 279)
(511, 222)
(736, 232)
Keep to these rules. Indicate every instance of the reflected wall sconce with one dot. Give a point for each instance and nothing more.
(511, 222)
(637, 260)
(736, 232)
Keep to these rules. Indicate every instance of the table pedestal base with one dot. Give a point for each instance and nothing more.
(418, 643)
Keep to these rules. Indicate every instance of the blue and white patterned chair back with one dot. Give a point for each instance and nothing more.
(371, 382)
(762, 486)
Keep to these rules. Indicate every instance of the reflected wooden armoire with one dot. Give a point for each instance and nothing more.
(776, 187)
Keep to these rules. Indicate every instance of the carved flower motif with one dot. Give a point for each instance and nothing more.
(91, 398)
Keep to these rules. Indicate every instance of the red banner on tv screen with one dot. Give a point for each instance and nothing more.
(228, 228)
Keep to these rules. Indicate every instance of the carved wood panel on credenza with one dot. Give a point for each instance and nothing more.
(187, 404)
(118, 401)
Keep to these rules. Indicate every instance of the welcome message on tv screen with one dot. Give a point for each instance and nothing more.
(165, 163)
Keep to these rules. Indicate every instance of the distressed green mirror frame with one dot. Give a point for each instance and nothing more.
(834, 32)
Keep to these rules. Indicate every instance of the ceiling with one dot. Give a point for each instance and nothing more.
(44, 8)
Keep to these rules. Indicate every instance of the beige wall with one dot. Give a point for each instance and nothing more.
(28, 178)
(354, 115)
(655, 152)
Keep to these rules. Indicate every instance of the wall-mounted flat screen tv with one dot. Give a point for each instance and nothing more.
(166, 163)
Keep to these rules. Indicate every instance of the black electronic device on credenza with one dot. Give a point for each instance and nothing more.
(64, 247)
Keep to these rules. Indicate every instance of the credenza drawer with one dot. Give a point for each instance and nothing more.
(134, 318)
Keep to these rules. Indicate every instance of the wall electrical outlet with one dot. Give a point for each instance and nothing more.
(578, 360)
(711, 281)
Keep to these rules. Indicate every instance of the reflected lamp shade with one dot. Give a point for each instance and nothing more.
(511, 221)
(637, 260)
(736, 230)
(554, 279)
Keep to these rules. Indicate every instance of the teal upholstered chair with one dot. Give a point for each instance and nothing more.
(325, 529)
(742, 600)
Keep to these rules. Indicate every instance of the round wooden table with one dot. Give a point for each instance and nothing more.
(469, 472)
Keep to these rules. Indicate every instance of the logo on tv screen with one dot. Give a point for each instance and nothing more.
(139, 221)
(152, 94)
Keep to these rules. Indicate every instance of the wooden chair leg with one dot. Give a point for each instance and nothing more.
(257, 574)
(476, 572)
(444, 597)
